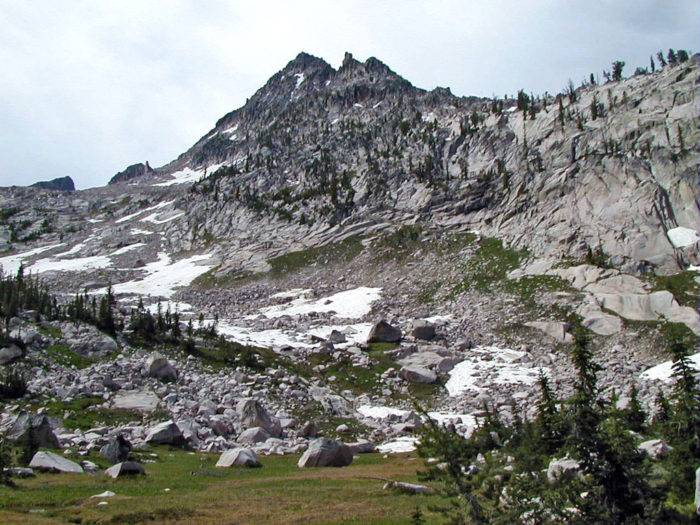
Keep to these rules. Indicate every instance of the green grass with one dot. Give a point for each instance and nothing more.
(64, 356)
(487, 270)
(409, 239)
(51, 331)
(83, 413)
(682, 285)
(289, 263)
(279, 492)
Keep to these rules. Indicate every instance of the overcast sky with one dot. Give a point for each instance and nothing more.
(87, 88)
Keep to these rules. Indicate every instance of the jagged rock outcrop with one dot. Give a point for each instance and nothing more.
(132, 172)
(57, 184)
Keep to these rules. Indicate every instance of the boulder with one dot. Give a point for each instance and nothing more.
(417, 374)
(253, 414)
(562, 469)
(34, 427)
(308, 430)
(254, 435)
(141, 400)
(556, 330)
(337, 337)
(160, 368)
(20, 472)
(383, 332)
(50, 462)
(361, 447)
(87, 340)
(116, 450)
(243, 457)
(127, 468)
(424, 330)
(166, 433)
(655, 448)
(324, 452)
(9, 354)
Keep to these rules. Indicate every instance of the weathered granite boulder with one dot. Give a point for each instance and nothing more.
(254, 435)
(166, 433)
(160, 368)
(383, 332)
(253, 414)
(655, 448)
(116, 450)
(243, 457)
(417, 374)
(424, 330)
(50, 462)
(562, 469)
(324, 452)
(127, 468)
(34, 427)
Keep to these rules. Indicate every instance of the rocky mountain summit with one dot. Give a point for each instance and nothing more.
(59, 184)
(345, 244)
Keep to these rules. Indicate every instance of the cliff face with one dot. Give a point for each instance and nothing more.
(610, 167)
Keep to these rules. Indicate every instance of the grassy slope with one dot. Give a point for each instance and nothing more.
(200, 493)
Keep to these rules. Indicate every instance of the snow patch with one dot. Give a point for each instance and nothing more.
(664, 371)
(78, 264)
(163, 276)
(300, 79)
(399, 445)
(681, 237)
(153, 217)
(136, 214)
(187, 175)
(355, 334)
(11, 263)
(501, 365)
(350, 304)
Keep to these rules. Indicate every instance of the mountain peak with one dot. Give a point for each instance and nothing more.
(306, 61)
(58, 184)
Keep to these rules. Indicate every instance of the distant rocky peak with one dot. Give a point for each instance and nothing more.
(58, 184)
(132, 172)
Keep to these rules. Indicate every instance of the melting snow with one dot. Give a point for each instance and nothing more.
(153, 217)
(156, 207)
(300, 79)
(94, 221)
(137, 231)
(398, 445)
(189, 175)
(681, 237)
(293, 293)
(11, 263)
(350, 304)
(499, 364)
(355, 334)
(164, 275)
(664, 371)
(232, 129)
(94, 262)
(175, 306)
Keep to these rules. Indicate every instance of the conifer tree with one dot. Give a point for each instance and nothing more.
(661, 59)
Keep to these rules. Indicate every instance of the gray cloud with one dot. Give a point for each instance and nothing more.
(90, 87)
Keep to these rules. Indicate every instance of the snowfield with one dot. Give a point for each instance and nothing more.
(490, 365)
(163, 276)
(355, 334)
(136, 214)
(11, 263)
(664, 371)
(187, 175)
(350, 304)
(78, 264)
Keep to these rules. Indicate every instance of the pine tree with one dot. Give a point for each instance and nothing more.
(548, 422)
(672, 58)
(617, 67)
(661, 59)
(682, 55)
(652, 64)
(634, 414)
